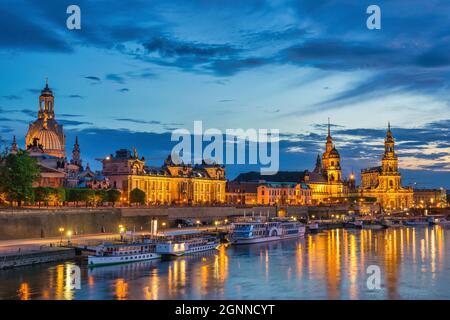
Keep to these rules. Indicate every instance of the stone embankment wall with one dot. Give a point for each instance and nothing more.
(37, 223)
(45, 255)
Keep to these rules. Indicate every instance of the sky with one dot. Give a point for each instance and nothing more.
(139, 69)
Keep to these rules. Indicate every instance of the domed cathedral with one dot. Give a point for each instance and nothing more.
(45, 141)
(45, 131)
(384, 182)
(325, 180)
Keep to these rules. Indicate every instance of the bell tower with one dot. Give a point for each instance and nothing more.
(390, 176)
(46, 103)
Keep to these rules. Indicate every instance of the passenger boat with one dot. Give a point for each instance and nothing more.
(259, 231)
(416, 223)
(443, 222)
(392, 223)
(312, 227)
(373, 225)
(179, 247)
(109, 253)
(353, 225)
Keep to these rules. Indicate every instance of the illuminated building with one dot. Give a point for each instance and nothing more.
(384, 182)
(170, 184)
(241, 193)
(283, 193)
(325, 180)
(430, 198)
(45, 140)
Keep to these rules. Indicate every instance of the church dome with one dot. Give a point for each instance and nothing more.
(49, 140)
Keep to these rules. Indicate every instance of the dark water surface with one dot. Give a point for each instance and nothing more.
(414, 264)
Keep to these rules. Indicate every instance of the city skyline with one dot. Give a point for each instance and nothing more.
(132, 81)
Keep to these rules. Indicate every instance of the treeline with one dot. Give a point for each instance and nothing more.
(63, 196)
(18, 173)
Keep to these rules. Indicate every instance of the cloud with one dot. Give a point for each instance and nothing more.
(94, 79)
(34, 91)
(73, 123)
(11, 97)
(68, 115)
(138, 121)
(115, 78)
(75, 96)
(25, 31)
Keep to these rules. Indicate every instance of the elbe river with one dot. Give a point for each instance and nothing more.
(414, 263)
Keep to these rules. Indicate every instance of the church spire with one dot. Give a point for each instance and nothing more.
(14, 148)
(76, 153)
(329, 129)
(318, 167)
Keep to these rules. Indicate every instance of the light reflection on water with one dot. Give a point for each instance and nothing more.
(414, 264)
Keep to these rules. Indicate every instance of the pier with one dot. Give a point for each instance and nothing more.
(17, 257)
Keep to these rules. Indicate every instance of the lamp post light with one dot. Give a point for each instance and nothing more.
(198, 224)
(61, 232)
(69, 237)
(121, 231)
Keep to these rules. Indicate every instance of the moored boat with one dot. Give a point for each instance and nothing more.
(312, 227)
(110, 253)
(392, 223)
(416, 223)
(179, 247)
(257, 231)
(443, 222)
(353, 224)
(373, 225)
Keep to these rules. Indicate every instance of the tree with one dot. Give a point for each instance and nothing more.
(18, 172)
(87, 196)
(58, 195)
(100, 196)
(41, 194)
(113, 196)
(137, 196)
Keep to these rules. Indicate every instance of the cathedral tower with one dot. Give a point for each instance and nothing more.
(45, 130)
(390, 176)
(331, 159)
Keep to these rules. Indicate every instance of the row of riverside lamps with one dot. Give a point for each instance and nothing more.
(69, 236)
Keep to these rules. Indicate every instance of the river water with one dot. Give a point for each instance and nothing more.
(414, 263)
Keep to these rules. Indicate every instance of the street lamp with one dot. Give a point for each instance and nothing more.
(198, 223)
(69, 235)
(121, 231)
(61, 231)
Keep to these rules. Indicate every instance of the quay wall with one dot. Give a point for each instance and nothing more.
(36, 257)
(42, 223)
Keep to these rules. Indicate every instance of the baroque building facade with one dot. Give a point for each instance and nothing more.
(170, 184)
(384, 182)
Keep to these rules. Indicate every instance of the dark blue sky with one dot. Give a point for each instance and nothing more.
(138, 69)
